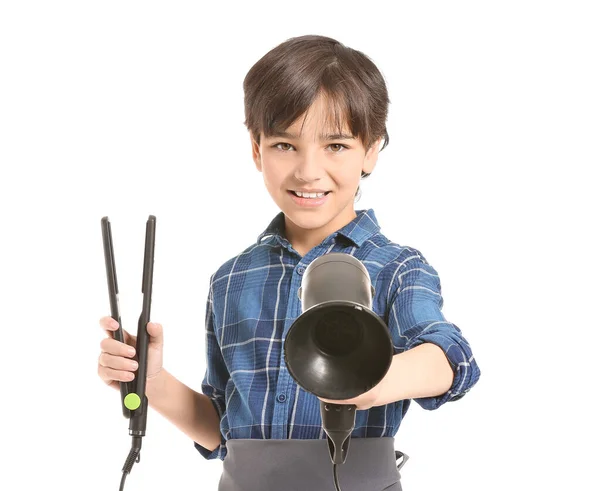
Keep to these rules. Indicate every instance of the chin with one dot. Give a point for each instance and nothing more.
(309, 219)
(308, 222)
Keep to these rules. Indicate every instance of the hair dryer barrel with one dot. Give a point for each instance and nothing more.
(334, 277)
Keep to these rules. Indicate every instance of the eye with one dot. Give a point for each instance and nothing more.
(283, 149)
(338, 147)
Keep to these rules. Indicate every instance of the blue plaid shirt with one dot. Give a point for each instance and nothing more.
(253, 301)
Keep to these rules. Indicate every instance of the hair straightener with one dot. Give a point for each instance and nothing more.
(134, 402)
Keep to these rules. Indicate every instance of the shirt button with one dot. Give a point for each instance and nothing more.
(301, 270)
(281, 397)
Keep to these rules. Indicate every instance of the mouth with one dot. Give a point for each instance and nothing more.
(309, 195)
(310, 200)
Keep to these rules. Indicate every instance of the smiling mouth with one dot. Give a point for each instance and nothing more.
(294, 194)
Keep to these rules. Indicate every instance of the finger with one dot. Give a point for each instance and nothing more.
(117, 362)
(109, 324)
(155, 331)
(114, 347)
(108, 375)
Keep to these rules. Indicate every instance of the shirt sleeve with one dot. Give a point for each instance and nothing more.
(415, 317)
(215, 379)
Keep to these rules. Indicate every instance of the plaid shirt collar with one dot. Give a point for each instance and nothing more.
(359, 230)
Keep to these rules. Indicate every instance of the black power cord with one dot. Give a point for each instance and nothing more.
(134, 456)
(336, 482)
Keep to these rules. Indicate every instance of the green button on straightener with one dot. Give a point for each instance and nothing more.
(132, 401)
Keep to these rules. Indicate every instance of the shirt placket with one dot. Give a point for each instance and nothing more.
(285, 383)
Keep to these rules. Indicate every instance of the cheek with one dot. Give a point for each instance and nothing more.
(272, 174)
(348, 173)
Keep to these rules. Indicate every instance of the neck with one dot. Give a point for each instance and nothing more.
(303, 240)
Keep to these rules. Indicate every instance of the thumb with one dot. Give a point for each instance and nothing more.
(155, 331)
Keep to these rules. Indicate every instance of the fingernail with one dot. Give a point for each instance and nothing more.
(131, 351)
(114, 324)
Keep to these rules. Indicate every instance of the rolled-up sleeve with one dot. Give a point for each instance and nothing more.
(415, 317)
(215, 379)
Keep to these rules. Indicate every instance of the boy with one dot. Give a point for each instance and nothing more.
(316, 113)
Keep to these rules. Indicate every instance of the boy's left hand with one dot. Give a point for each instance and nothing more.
(366, 400)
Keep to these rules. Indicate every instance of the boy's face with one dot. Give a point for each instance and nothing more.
(315, 161)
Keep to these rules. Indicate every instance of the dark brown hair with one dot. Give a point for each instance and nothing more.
(282, 85)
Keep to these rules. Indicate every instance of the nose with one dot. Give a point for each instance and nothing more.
(308, 168)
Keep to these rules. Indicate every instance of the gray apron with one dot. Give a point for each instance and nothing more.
(301, 465)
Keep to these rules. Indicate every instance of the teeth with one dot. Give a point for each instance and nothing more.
(309, 195)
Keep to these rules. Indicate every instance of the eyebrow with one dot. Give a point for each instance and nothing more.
(323, 137)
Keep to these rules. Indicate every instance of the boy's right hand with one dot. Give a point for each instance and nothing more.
(116, 363)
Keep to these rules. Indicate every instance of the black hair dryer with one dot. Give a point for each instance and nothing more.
(338, 348)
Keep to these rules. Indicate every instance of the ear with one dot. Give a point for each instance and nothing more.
(256, 153)
(371, 157)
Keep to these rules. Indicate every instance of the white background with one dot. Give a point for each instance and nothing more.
(126, 109)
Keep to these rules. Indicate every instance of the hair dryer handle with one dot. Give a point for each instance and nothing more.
(338, 423)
